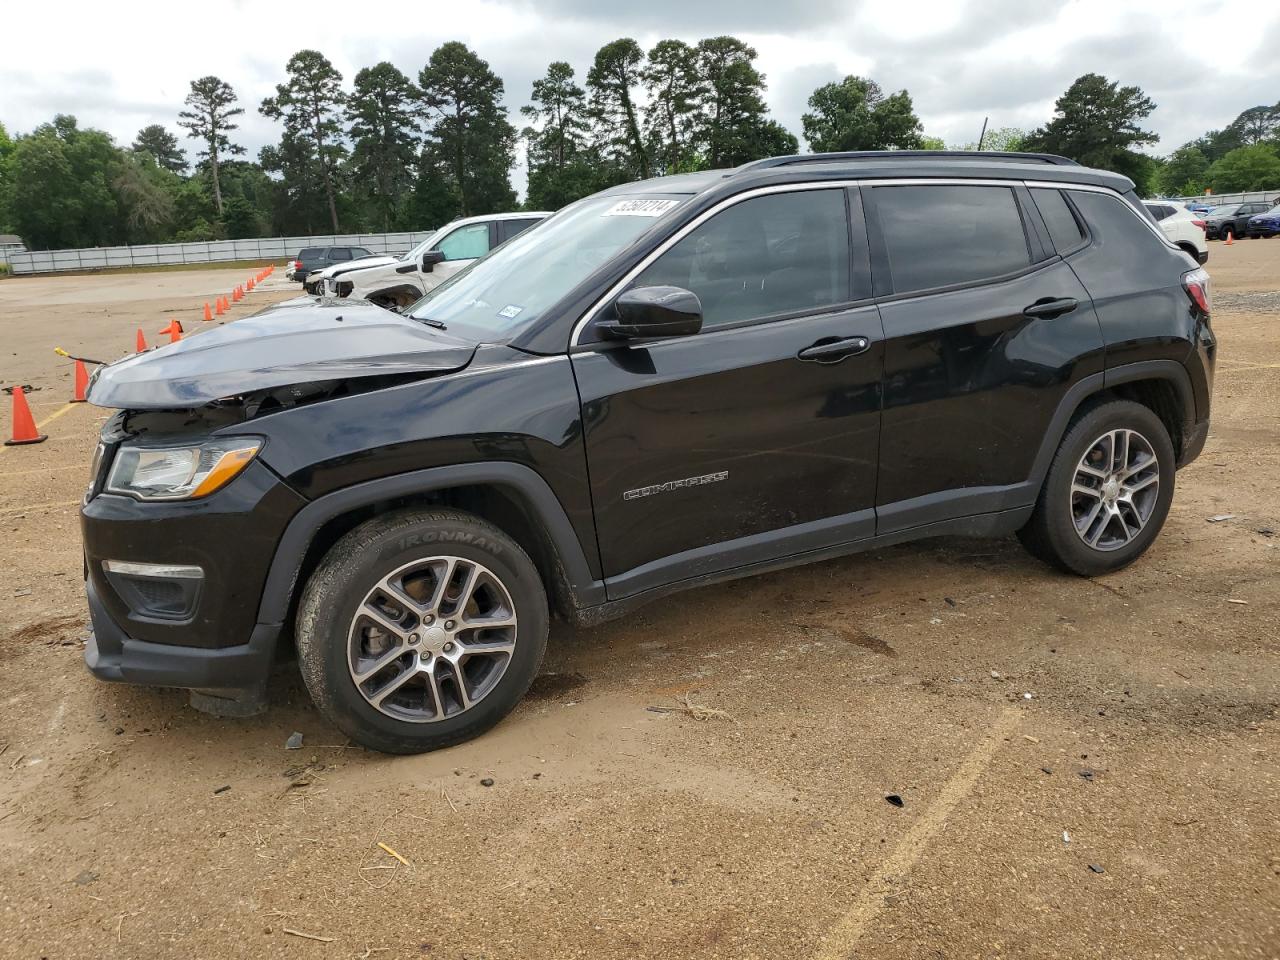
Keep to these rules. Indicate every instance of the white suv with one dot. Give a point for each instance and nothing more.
(395, 284)
(1184, 228)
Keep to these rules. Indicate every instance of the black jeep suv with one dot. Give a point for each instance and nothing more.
(672, 382)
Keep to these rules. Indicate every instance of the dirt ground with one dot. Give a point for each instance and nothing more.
(1087, 768)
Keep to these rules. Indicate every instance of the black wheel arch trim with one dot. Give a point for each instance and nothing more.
(282, 578)
(1086, 387)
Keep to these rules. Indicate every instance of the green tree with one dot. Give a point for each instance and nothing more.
(734, 123)
(163, 146)
(1004, 139)
(1185, 168)
(384, 133)
(1096, 123)
(310, 106)
(211, 105)
(469, 135)
(1246, 168)
(615, 115)
(674, 90)
(146, 193)
(62, 191)
(1216, 144)
(1257, 124)
(855, 114)
(7, 147)
(559, 169)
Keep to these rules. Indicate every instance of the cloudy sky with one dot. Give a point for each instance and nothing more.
(120, 67)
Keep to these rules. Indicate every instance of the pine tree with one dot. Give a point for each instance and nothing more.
(211, 104)
(385, 134)
(163, 146)
(557, 140)
(613, 76)
(310, 106)
(674, 89)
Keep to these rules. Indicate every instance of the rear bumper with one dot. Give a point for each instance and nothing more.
(113, 655)
(1263, 231)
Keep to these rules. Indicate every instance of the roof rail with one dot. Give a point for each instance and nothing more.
(1000, 156)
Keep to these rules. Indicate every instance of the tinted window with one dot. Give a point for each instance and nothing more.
(358, 252)
(340, 253)
(466, 243)
(512, 227)
(1159, 211)
(1064, 231)
(775, 254)
(1115, 221)
(310, 253)
(936, 236)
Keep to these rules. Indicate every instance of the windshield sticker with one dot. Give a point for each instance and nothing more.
(640, 208)
(510, 311)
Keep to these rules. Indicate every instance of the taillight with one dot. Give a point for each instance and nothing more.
(1196, 283)
(297, 264)
(1199, 223)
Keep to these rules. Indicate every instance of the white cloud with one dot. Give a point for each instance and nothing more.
(121, 68)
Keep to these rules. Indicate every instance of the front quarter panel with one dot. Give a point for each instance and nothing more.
(505, 406)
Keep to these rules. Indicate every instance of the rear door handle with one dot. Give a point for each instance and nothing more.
(1049, 307)
(834, 349)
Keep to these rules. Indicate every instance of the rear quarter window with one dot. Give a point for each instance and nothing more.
(938, 236)
(1115, 220)
(309, 253)
(1064, 230)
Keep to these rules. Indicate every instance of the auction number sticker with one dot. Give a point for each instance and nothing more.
(510, 311)
(640, 208)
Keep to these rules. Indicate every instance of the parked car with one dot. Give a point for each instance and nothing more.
(1264, 224)
(666, 384)
(1232, 218)
(1200, 206)
(1183, 227)
(311, 259)
(395, 283)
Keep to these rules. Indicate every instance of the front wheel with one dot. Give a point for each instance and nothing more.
(1107, 492)
(421, 629)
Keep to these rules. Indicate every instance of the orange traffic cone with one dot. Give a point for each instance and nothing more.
(1231, 237)
(82, 383)
(250, 284)
(174, 330)
(141, 344)
(219, 310)
(24, 425)
(208, 314)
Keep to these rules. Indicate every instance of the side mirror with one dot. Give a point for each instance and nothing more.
(430, 259)
(647, 312)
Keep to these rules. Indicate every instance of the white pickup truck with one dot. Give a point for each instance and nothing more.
(396, 283)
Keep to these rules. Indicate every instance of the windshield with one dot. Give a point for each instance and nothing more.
(1224, 210)
(413, 255)
(515, 283)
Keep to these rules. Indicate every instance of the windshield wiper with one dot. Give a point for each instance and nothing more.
(437, 324)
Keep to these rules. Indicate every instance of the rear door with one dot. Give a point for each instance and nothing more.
(757, 437)
(986, 328)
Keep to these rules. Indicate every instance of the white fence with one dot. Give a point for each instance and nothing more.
(213, 251)
(1213, 199)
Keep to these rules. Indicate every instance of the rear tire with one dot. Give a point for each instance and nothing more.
(421, 629)
(1116, 457)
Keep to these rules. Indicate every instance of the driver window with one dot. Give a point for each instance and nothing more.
(466, 243)
(776, 254)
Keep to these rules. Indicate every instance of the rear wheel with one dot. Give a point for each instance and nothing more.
(421, 629)
(1107, 493)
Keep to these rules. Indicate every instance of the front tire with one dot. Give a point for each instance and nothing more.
(1107, 493)
(421, 629)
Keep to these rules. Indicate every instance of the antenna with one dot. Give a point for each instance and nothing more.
(983, 135)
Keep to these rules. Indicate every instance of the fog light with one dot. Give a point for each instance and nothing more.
(164, 591)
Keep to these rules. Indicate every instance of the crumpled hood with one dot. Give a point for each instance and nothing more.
(304, 340)
(335, 269)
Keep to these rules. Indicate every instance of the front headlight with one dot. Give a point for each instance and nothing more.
(180, 473)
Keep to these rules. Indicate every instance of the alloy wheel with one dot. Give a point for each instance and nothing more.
(432, 639)
(1115, 489)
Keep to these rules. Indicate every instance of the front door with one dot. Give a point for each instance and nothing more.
(460, 247)
(757, 437)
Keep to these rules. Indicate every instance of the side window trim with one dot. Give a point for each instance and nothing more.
(1036, 232)
(1086, 237)
(586, 325)
(882, 271)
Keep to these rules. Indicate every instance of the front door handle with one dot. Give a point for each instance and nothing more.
(834, 349)
(1049, 307)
